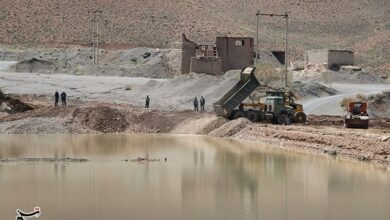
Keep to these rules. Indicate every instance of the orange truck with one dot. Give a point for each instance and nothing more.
(356, 116)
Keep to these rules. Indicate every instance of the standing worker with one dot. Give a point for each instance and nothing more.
(202, 103)
(56, 98)
(196, 106)
(63, 98)
(147, 101)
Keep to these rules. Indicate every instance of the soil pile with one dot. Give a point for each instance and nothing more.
(311, 89)
(101, 118)
(135, 62)
(10, 105)
(230, 128)
(199, 124)
(324, 75)
(36, 66)
(379, 105)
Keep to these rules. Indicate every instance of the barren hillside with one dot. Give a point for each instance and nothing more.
(360, 25)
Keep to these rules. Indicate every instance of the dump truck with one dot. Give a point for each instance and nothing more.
(277, 108)
(356, 115)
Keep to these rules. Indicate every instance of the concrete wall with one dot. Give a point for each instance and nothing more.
(206, 65)
(188, 51)
(329, 58)
(317, 57)
(340, 57)
(235, 55)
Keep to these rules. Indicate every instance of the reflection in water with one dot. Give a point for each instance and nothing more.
(204, 178)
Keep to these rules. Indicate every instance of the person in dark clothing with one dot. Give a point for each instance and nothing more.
(56, 98)
(147, 101)
(196, 105)
(63, 98)
(202, 103)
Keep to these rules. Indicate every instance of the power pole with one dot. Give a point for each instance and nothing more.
(95, 33)
(257, 35)
(286, 40)
(286, 51)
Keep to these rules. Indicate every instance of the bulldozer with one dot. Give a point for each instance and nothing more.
(356, 115)
(278, 108)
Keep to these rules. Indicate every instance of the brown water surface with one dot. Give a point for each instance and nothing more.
(203, 179)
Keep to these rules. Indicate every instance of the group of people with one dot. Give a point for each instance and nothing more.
(202, 103)
(57, 98)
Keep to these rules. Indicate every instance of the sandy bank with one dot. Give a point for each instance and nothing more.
(323, 134)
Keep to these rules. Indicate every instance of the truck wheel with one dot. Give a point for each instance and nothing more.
(252, 116)
(239, 114)
(346, 124)
(299, 117)
(365, 126)
(261, 117)
(285, 119)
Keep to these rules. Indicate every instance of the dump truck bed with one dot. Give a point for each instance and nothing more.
(235, 96)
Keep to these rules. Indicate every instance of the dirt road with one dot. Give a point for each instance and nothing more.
(166, 94)
(330, 105)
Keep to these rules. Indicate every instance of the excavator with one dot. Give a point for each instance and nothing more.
(278, 108)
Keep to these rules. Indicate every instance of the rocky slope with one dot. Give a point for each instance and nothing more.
(360, 25)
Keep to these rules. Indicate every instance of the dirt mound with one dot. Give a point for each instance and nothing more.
(10, 105)
(134, 62)
(35, 66)
(379, 105)
(199, 124)
(230, 128)
(101, 118)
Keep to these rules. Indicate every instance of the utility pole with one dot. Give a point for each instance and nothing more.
(257, 35)
(95, 33)
(286, 51)
(286, 39)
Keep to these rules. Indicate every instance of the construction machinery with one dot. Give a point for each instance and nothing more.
(356, 116)
(277, 108)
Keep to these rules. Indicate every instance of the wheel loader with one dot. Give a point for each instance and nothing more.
(278, 107)
(356, 115)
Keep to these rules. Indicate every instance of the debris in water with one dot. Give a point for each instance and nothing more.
(50, 160)
(143, 159)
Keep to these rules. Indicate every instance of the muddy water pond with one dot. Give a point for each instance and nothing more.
(203, 178)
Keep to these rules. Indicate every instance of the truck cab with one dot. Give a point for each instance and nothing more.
(277, 111)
